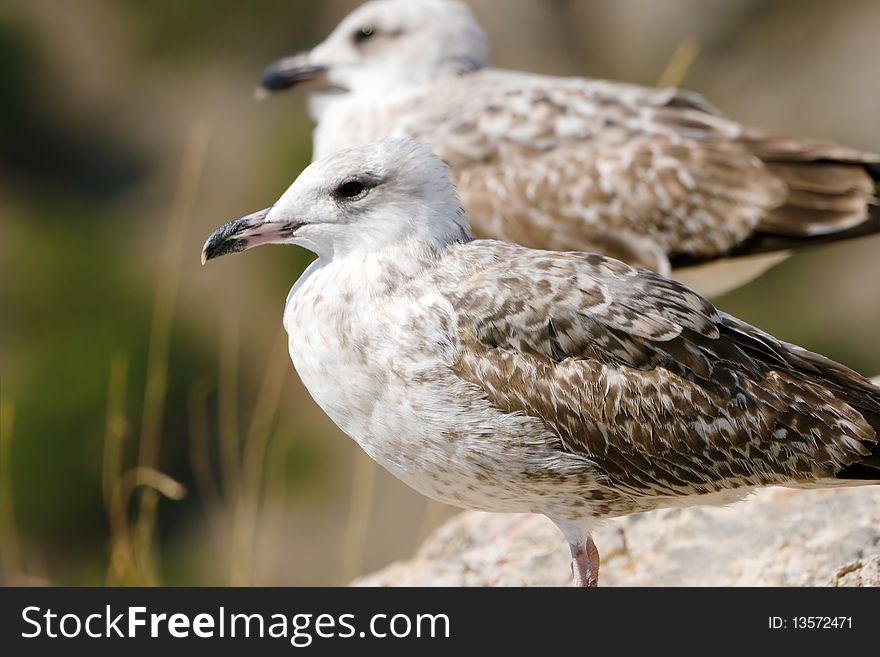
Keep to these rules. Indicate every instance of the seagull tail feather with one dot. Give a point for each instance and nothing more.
(832, 191)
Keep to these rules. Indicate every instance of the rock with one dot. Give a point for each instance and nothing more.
(776, 537)
(862, 572)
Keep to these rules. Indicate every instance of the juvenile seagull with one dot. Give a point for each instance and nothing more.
(654, 177)
(491, 376)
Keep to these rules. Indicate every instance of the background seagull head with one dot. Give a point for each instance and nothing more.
(386, 44)
(360, 199)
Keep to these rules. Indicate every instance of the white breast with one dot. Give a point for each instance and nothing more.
(326, 338)
(379, 365)
(355, 347)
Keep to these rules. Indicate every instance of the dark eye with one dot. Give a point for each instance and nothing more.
(365, 33)
(351, 189)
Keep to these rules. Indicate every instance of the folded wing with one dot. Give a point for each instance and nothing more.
(646, 378)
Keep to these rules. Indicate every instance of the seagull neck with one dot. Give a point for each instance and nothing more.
(418, 230)
(393, 264)
(319, 102)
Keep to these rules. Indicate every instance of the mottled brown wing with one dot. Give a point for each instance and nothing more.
(570, 164)
(647, 379)
(645, 175)
(642, 201)
(831, 196)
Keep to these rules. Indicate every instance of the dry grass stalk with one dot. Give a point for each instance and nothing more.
(248, 509)
(116, 426)
(200, 451)
(683, 57)
(237, 500)
(10, 554)
(132, 560)
(227, 411)
(363, 488)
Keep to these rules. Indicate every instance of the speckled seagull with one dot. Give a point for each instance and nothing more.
(654, 177)
(491, 376)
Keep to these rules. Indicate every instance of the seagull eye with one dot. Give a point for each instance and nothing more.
(365, 33)
(351, 189)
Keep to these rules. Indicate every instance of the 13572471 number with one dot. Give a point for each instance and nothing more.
(810, 623)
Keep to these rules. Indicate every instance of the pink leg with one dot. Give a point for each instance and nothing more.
(585, 563)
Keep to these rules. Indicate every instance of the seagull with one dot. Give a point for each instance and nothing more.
(655, 177)
(491, 376)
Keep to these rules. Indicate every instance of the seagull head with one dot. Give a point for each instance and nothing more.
(386, 44)
(358, 200)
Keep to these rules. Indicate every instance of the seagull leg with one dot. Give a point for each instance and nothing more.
(584, 554)
(585, 563)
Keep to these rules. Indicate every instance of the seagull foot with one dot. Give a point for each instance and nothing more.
(585, 564)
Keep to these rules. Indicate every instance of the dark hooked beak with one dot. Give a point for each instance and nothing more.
(245, 233)
(288, 72)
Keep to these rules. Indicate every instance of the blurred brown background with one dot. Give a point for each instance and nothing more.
(128, 131)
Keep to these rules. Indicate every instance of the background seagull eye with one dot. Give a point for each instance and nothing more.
(351, 189)
(364, 33)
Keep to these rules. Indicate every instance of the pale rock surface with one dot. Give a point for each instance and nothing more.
(776, 537)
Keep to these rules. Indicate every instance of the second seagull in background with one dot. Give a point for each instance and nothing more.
(654, 177)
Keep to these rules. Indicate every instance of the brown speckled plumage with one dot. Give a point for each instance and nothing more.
(648, 380)
(654, 177)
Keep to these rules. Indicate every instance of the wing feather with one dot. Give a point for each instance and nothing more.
(655, 177)
(647, 379)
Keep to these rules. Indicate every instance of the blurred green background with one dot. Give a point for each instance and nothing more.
(128, 373)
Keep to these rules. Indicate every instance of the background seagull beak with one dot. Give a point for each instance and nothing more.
(245, 233)
(290, 71)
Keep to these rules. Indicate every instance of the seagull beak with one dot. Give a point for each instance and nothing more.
(288, 72)
(245, 233)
